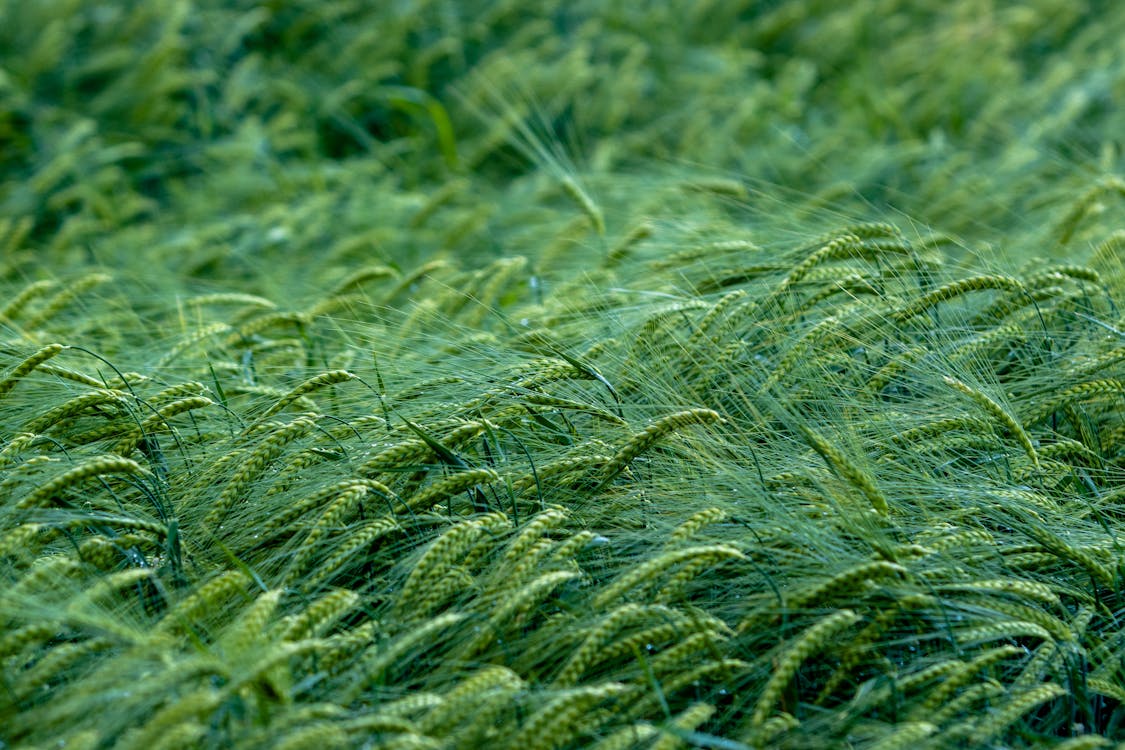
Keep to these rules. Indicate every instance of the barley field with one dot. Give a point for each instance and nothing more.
(441, 374)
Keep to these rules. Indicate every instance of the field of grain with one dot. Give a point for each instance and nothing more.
(578, 374)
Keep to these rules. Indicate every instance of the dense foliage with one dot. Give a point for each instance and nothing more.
(564, 374)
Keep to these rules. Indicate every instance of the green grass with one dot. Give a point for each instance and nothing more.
(673, 374)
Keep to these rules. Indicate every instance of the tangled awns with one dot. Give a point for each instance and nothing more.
(575, 374)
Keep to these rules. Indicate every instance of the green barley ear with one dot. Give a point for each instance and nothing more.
(555, 724)
(74, 407)
(1108, 388)
(360, 277)
(1067, 552)
(318, 736)
(583, 657)
(837, 247)
(624, 248)
(381, 656)
(840, 463)
(1110, 690)
(711, 669)
(953, 682)
(16, 640)
(765, 734)
(1110, 249)
(93, 467)
(203, 601)
(628, 737)
(195, 706)
(254, 465)
(320, 616)
(159, 421)
(350, 550)
(1084, 206)
(473, 699)
(515, 603)
(329, 520)
(17, 443)
(642, 576)
(673, 737)
(27, 366)
(29, 293)
(194, 339)
(802, 349)
(985, 693)
(250, 627)
(462, 481)
(442, 554)
(999, 413)
(324, 379)
(652, 434)
(804, 646)
(714, 315)
(956, 289)
(583, 200)
(867, 639)
(990, 726)
(1084, 742)
(64, 297)
(693, 525)
(906, 736)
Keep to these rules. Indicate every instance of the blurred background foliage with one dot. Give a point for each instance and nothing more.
(215, 137)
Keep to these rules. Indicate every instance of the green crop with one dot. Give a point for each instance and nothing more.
(664, 374)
